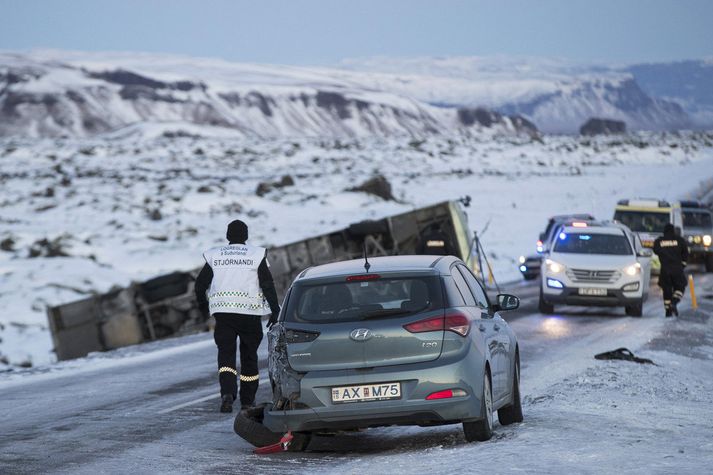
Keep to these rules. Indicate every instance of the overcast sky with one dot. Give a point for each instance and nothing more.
(326, 31)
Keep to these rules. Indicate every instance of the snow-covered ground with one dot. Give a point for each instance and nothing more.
(117, 209)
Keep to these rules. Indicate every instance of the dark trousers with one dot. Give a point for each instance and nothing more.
(228, 328)
(673, 283)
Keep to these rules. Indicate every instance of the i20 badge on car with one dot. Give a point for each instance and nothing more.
(361, 334)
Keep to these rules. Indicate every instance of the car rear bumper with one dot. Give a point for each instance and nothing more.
(417, 382)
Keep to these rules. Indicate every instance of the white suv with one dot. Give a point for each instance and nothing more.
(595, 263)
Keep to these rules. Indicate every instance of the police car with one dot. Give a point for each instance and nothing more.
(595, 263)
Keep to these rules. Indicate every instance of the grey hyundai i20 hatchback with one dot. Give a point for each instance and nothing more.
(412, 340)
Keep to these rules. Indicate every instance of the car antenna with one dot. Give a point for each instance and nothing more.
(366, 258)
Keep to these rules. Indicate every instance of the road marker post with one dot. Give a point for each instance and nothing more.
(694, 303)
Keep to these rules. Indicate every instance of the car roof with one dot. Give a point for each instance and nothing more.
(411, 263)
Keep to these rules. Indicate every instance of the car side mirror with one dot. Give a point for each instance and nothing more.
(507, 302)
(645, 252)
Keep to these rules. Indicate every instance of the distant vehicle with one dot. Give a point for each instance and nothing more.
(596, 263)
(413, 340)
(697, 230)
(646, 217)
(165, 306)
(530, 265)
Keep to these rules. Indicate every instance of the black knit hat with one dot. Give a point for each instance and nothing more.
(237, 232)
(669, 230)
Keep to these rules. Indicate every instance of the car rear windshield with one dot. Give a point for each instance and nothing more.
(644, 221)
(344, 301)
(697, 219)
(581, 243)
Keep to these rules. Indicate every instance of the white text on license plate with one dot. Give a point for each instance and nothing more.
(367, 392)
(592, 291)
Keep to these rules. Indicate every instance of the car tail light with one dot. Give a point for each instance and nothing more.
(447, 394)
(363, 277)
(300, 336)
(456, 322)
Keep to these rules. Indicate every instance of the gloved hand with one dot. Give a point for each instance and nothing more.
(273, 320)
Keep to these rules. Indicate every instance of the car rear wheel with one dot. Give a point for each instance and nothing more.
(482, 430)
(513, 412)
(545, 307)
(635, 310)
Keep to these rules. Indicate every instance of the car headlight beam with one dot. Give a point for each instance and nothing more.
(707, 240)
(553, 266)
(633, 269)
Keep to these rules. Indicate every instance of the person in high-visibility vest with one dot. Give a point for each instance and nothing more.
(235, 286)
(673, 254)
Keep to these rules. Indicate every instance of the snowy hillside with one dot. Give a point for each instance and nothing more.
(62, 93)
(78, 216)
(56, 94)
(558, 96)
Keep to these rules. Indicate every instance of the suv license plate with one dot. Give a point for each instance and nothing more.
(592, 291)
(366, 392)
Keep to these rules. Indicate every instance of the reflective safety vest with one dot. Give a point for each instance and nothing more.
(235, 287)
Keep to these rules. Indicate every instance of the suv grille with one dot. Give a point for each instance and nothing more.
(593, 276)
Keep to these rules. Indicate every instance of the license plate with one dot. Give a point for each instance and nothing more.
(592, 292)
(366, 392)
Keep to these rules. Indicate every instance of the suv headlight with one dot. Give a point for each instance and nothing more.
(707, 240)
(633, 269)
(553, 266)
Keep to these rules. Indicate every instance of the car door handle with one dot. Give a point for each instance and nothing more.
(481, 327)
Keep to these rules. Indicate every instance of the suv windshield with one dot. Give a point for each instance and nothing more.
(593, 244)
(644, 221)
(697, 219)
(344, 301)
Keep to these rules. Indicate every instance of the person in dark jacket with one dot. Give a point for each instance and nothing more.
(235, 286)
(673, 254)
(434, 241)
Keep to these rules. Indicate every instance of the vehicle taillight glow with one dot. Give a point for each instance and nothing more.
(363, 277)
(454, 321)
(579, 225)
(447, 394)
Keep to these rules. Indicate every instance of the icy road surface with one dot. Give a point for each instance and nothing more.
(153, 408)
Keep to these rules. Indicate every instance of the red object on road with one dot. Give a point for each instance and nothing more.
(281, 446)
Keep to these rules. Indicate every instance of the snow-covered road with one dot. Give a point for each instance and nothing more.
(153, 408)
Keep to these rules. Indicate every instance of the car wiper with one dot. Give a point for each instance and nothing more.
(388, 312)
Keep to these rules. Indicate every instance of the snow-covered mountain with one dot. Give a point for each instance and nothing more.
(558, 96)
(54, 94)
(58, 93)
(688, 83)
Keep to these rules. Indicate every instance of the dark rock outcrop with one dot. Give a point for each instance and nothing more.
(597, 126)
(377, 186)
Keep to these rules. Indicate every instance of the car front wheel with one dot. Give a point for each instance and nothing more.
(545, 307)
(635, 310)
(482, 429)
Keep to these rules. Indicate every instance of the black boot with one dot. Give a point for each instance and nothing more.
(226, 404)
(669, 313)
(674, 307)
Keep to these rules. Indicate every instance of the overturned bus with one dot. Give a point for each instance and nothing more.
(165, 306)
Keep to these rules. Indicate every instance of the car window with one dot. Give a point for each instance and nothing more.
(586, 243)
(360, 300)
(463, 287)
(455, 298)
(481, 300)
